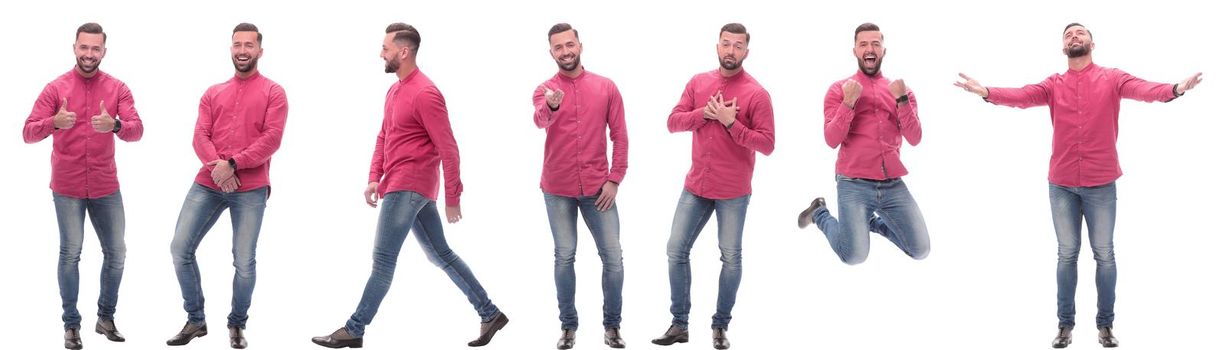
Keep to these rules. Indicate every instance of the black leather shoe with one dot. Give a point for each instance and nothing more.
(674, 334)
(338, 339)
(189, 332)
(72, 338)
(237, 340)
(612, 338)
(1105, 336)
(806, 215)
(488, 329)
(567, 339)
(107, 328)
(720, 339)
(1063, 339)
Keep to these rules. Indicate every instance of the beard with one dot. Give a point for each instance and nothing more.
(86, 66)
(248, 67)
(391, 67)
(1077, 51)
(569, 67)
(729, 63)
(870, 71)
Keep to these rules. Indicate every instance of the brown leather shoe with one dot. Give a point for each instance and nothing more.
(1105, 336)
(72, 338)
(806, 215)
(338, 339)
(612, 338)
(488, 329)
(190, 331)
(237, 340)
(675, 334)
(567, 339)
(720, 339)
(1063, 339)
(107, 328)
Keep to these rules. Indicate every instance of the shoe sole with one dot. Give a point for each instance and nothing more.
(679, 340)
(805, 218)
(354, 345)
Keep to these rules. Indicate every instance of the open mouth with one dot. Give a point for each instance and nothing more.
(870, 60)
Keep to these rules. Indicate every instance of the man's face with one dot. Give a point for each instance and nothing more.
(732, 49)
(566, 50)
(869, 51)
(245, 51)
(1077, 42)
(392, 53)
(89, 50)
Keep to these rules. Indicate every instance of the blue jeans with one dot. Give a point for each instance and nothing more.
(106, 215)
(692, 213)
(605, 228)
(402, 211)
(1096, 206)
(884, 207)
(201, 209)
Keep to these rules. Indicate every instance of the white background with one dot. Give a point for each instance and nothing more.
(979, 174)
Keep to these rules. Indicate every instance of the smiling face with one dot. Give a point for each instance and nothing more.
(1077, 41)
(566, 50)
(89, 50)
(869, 51)
(245, 51)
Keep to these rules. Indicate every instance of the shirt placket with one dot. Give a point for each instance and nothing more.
(580, 166)
(88, 144)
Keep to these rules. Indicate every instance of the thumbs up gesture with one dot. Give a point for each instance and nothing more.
(103, 122)
(64, 119)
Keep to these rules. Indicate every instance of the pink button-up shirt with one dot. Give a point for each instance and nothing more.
(241, 119)
(870, 133)
(723, 157)
(415, 137)
(82, 159)
(575, 148)
(1085, 114)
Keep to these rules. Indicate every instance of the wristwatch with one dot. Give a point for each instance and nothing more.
(233, 164)
(118, 125)
(903, 99)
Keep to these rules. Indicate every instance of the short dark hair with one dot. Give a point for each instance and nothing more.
(868, 27)
(405, 34)
(561, 27)
(248, 27)
(91, 28)
(1074, 24)
(735, 28)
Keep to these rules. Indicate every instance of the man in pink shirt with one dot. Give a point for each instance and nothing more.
(576, 107)
(415, 138)
(1084, 105)
(731, 118)
(866, 117)
(239, 128)
(83, 175)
